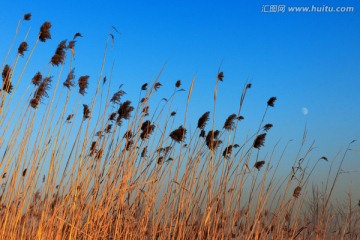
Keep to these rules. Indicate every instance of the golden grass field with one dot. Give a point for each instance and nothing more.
(113, 168)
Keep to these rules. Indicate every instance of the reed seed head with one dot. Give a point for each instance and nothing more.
(22, 48)
(45, 32)
(258, 165)
(6, 76)
(27, 17)
(86, 111)
(178, 135)
(83, 84)
(203, 120)
(259, 141)
(267, 127)
(69, 82)
(116, 98)
(178, 84)
(220, 76)
(271, 101)
(77, 35)
(36, 80)
(124, 112)
(229, 123)
(59, 56)
(297, 191)
(157, 85)
(144, 87)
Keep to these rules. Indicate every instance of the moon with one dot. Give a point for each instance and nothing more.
(305, 111)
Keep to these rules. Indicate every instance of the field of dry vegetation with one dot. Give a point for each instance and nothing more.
(111, 168)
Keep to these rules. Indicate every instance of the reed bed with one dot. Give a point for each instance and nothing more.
(103, 166)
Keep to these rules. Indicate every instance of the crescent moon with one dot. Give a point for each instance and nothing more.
(305, 111)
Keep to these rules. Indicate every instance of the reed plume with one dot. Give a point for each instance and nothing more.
(144, 87)
(36, 80)
(69, 82)
(203, 120)
(22, 48)
(178, 135)
(178, 84)
(108, 128)
(77, 35)
(59, 56)
(211, 140)
(45, 32)
(41, 92)
(124, 112)
(86, 111)
(27, 17)
(112, 116)
(258, 165)
(116, 98)
(157, 85)
(220, 76)
(297, 191)
(229, 123)
(83, 84)
(271, 101)
(227, 152)
(267, 127)
(6, 76)
(259, 141)
(147, 128)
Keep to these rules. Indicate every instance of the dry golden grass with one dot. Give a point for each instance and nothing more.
(122, 170)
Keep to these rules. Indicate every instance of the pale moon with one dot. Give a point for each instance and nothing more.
(305, 111)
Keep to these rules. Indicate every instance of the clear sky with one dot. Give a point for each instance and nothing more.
(306, 60)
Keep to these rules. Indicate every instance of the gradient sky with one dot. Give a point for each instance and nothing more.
(309, 60)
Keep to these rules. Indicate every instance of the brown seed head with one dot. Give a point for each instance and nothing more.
(36, 80)
(203, 120)
(259, 164)
(27, 16)
(271, 101)
(297, 191)
(229, 123)
(259, 141)
(86, 111)
(267, 127)
(22, 48)
(220, 76)
(69, 82)
(178, 83)
(116, 98)
(45, 32)
(59, 56)
(178, 135)
(83, 84)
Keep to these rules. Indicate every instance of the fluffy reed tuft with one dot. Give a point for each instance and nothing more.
(6, 76)
(116, 98)
(211, 140)
(157, 85)
(83, 84)
(69, 82)
(22, 48)
(297, 192)
(178, 135)
(203, 120)
(258, 165)
(178, 84)
(27, 17)
(227, 152)
(41, 92)
(267, 127)
(45, 32)
(220, 76)
(147, 128)
(59, 56)
(271, 101)
(124, 112)
(144, 87)
(36, 80)
(86, 111)
(229, 123)
(259, 141)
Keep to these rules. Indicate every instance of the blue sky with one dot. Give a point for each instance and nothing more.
(307, 60)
